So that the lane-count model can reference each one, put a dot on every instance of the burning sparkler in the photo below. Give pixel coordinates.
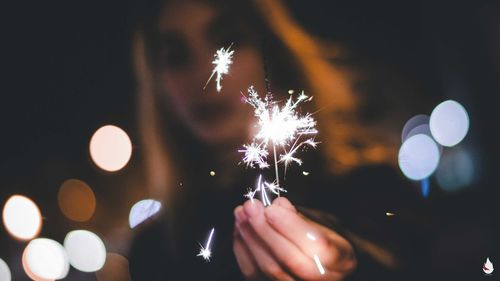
(223, 58)
(206, 252)
(261, 187)
(278, 128)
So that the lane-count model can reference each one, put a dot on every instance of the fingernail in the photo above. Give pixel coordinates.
(273, 214)
(242, 230)
(252, 208)
(238, 214)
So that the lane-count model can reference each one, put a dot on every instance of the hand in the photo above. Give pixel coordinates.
(278, 243)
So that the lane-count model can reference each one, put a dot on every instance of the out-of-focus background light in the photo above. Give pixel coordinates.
(86, 251)
(423, 129)
(115, 269)
(449, 123)
(47, 259)
(4, 271)
(456, 170)
(418, 157)
(110, 148)
(21, 217)
(425, 187)
(412, 123)
(420, 129)
(28, 271)
(76, 200)
(142, 210)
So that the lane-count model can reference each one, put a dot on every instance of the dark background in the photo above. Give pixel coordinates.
(67, 71)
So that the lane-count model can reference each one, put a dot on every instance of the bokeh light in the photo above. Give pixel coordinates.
(21, 217)
(418, 157)
(142, 210)
(116, 268)
(76, 200)
(456, 170)
(4, 271)
(110, 148)
(425, 187)
(86, 251)
(414, 122)
(449, 123)
(423, 129)
(47, 259)
(420, 129)
(28, 272)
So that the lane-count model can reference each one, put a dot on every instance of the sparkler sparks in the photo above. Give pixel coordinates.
(223, 59)
(279, 127)
(206, 252)
(261, 187)
(254, 154)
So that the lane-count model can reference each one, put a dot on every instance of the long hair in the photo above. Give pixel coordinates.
(346, 143)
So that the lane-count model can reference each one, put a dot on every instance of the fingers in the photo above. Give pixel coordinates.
(285, 203)
(306, 236)
(279, 242)
(244, 258)
(265, 261)
(295, 228)
(286, 253)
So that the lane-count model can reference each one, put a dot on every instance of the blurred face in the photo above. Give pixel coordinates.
(191, 32)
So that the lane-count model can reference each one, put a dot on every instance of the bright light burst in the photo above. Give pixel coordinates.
(206, 252)
(279, 127)
(223, 59)
(261, 187)
(254, 153)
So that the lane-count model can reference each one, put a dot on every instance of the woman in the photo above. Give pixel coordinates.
(189, 132)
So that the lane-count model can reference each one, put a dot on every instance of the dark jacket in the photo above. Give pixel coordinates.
(354, 205)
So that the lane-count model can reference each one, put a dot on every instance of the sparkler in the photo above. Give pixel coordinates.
(223, 58)
(280, 128)
(206, 252)
(262, 186)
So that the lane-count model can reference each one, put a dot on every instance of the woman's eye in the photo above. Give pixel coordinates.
(173, 53)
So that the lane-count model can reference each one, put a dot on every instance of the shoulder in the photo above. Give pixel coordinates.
(148, 251)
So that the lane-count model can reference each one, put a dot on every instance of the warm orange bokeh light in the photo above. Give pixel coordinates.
(76, 200)
(22, 218)
(115, 269)
(110, 148)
